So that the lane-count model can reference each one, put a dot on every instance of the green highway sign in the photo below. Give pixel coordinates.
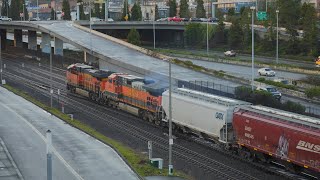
(262, 15)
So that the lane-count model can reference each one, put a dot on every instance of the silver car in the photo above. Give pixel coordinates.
(275, 93)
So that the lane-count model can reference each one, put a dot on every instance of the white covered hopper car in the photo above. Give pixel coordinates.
(204, 114)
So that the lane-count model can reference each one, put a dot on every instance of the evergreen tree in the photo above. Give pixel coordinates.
(93, 14)
(245, 22)
(97, 10)
(219, 35)
(102, 14)
(66, 10)
(125, 11)
(53, 15)
(173, 8)
(136, 14)
(184, 9)
(231, 12)
(235, 34)
(134, 37)
(5, 7)
(309, 24)
(200, 11)
(289, 13)
(14, 11)
(156, 12)
(81, 11)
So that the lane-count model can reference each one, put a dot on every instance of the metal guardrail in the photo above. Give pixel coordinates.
(209, 87)
(227, 91)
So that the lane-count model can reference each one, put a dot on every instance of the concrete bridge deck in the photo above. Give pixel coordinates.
(111, 53)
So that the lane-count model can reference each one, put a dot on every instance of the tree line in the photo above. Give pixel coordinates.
(293, 16)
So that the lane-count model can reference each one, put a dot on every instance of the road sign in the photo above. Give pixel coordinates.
(262, 15)
(126, 17)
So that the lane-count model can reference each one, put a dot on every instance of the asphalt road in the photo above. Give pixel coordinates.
(76, 155)
(247, 57)
(243, 71)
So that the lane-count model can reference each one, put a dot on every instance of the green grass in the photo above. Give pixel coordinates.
(138, 161)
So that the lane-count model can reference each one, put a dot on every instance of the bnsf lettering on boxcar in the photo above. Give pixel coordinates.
(303, 145)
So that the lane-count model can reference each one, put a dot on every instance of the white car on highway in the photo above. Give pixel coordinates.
(230, 53)
(266, 72)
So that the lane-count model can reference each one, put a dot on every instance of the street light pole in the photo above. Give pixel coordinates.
(252, 33)
(90, 30)
(154, 30)
(23, 12)
(170, 172)
(38, 11)
(277, 53)
(1, 59)
(51, 90)
(208, 29)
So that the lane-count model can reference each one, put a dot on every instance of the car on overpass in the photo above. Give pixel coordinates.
(175, 19)
(5, 18)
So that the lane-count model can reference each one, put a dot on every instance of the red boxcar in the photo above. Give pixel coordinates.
(291, 137)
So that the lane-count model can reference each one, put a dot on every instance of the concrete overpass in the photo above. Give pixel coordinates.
(127, 25)
(109, 52)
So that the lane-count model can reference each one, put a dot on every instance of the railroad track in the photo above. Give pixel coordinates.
(210, 165)
(141, 134)
(191, 156)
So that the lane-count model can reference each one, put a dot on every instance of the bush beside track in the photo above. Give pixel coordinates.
(137, 161)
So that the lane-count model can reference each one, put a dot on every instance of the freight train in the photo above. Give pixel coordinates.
(254, 132)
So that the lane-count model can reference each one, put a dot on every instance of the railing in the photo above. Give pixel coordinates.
(209, 87)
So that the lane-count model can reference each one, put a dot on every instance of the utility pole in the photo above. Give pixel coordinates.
(1, 59)
(170, 122)
(90, 30)
(24, 16)
(106, 10)
(38, 11)
(277, 53)
(208, 29)
(154, 30)
(49, 155)
(51, 90)
(252, 33)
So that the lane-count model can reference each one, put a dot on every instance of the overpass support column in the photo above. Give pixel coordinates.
(17, 38)
(32, 40)
(213, 11)
(46, 43)
(89, 58)
(58, 46)
(3, 33)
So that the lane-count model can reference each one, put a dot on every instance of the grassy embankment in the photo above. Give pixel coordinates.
(139, 162)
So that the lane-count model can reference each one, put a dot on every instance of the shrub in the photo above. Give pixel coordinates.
(277, 84)
(312, 79)
(313, 92)
(134, 37)
(293, 107)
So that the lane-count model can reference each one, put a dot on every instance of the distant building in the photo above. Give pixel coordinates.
(225, 5)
